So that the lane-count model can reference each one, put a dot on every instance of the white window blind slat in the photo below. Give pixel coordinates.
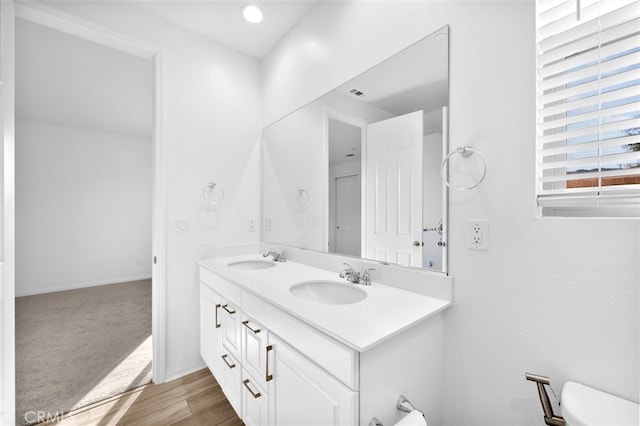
(590, 146)
(602, 128)
(550, 111)
(588, 107)
(592, 175)
(590, 71)
(612, 158)
(585, 89)
(572, 120)
(559, 68)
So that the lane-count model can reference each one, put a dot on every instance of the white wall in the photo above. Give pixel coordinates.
(83, 208)
(212, 125)
(551, 296)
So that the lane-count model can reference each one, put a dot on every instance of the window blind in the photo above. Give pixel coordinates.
(588, 107)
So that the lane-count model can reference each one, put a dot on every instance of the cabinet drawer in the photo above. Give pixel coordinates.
(230, 382)
(339, 360)
(255, 402)
(230, 291)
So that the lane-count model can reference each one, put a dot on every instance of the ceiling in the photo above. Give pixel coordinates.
(221, 21)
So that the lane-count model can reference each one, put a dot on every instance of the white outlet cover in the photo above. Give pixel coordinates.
(478, 234)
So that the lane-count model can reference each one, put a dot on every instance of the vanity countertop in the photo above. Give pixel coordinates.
(385, 312)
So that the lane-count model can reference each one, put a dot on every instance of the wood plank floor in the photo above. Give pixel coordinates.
(195, 399)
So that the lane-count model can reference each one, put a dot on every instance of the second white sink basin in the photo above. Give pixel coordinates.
(252, 264)
(329, 292)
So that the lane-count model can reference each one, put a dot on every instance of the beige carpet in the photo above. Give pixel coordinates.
(77, 347)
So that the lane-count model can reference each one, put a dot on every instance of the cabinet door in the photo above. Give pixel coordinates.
(255, 339)
(230, 381)
(210, 303)
(304, 394)
(255, 403)
(231, 328)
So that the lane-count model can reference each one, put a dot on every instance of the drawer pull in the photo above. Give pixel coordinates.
(229, 311)
(217, 322)
(255, 330)
(268, 377)
(256, 395)
(224, 358)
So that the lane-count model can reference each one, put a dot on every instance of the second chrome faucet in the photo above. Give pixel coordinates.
(355, 277)
(275, 255)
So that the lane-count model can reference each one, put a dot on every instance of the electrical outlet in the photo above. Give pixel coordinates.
(252, 223)
(138, 262)
(268, 223)
(478, 234)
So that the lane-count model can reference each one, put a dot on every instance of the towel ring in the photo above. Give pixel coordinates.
(303, 199)
(466, 152)
(212, 195)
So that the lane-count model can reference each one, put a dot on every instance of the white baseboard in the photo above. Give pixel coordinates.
(81, 285)
(176, 373)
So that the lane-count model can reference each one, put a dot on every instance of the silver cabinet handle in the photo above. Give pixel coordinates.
(256, 395)
(255, 330)
(217, 322)
(268, 377)
(229, 311)
(224, 358)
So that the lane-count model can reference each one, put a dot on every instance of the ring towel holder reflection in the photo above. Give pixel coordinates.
(303, 199)
(465, 152)
(212, 196)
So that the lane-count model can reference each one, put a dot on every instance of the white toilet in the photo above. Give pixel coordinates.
(585, 406)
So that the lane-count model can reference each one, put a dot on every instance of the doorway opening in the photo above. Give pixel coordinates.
(345, 186)
(85, 165)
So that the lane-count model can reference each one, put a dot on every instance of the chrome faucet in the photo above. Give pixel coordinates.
(355, 277)
(275, 255)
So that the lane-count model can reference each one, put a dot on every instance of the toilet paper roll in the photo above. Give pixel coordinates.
(414, 418)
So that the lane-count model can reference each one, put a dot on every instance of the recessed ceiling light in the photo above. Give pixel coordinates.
(252, 13)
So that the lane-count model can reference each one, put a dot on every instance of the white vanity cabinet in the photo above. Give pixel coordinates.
(278, 369)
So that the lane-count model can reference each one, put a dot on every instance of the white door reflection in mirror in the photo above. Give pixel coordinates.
(393, 190)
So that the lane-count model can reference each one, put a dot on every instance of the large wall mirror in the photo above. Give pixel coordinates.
(357, 171)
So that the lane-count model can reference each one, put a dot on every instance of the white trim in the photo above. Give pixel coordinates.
(7, 251)
(159, 221)
(445, 191)
(70, 24)
(84, 285)
(88, 30)
(183, 371)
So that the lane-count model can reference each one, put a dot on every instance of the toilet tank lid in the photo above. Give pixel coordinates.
(583, 405)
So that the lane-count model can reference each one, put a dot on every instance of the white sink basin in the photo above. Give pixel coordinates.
(329, 292)
(252, 264)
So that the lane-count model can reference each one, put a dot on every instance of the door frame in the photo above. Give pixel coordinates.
(88, 30)
(334, 182)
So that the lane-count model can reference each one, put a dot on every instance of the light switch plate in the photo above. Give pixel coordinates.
(181, 225)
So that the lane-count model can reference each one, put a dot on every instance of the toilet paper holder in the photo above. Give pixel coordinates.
(402, 404)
